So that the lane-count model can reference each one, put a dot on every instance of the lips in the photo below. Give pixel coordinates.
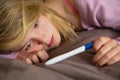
(51, 42)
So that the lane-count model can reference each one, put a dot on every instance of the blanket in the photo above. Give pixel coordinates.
(78, 67)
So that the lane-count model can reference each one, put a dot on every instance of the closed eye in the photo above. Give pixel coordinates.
(28, 46)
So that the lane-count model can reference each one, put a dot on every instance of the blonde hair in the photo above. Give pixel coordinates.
(64, 26)
(18, 16)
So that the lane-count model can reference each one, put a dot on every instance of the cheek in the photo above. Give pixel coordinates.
(43, 28)
(36, 48)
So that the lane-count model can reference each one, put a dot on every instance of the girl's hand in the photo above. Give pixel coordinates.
(107, 51)
(33, 58)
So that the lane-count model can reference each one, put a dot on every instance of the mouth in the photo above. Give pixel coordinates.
(51, 42)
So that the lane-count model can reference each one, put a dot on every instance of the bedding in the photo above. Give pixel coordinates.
(78, 67)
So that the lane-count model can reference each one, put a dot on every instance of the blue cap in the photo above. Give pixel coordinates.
(88, 46)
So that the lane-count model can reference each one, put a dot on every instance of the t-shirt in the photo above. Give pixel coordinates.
(99, 14)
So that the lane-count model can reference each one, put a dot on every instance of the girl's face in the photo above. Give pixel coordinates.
(42, 35)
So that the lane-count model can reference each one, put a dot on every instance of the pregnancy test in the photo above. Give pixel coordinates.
(69, 54)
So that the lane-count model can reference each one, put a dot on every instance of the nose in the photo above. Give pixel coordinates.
(39, 37)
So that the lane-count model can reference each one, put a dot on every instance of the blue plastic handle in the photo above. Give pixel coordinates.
(88, 46)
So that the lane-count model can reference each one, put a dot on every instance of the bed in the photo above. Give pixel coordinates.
(78, 67)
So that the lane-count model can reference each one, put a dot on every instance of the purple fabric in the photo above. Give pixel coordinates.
(12, 55)
(99, 13)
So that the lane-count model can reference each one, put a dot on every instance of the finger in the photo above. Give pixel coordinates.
(28, 61)
(104, 50)
(35, 59)
(21, 57)
(115, 59)
(99, 42)
(43, 55)
(109, 55)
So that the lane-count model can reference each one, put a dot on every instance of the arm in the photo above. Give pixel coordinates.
(32, 57)
(102, 13)
(29, 58)
(99, 13)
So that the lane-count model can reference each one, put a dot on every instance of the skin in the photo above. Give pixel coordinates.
(42, 36)
(39, 54)
(107, 49)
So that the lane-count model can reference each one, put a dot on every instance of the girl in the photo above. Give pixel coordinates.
(30, 27)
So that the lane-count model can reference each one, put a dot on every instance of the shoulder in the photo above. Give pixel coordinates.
(96, 2)
(99, 12)
(88, 2)
(93, 5)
